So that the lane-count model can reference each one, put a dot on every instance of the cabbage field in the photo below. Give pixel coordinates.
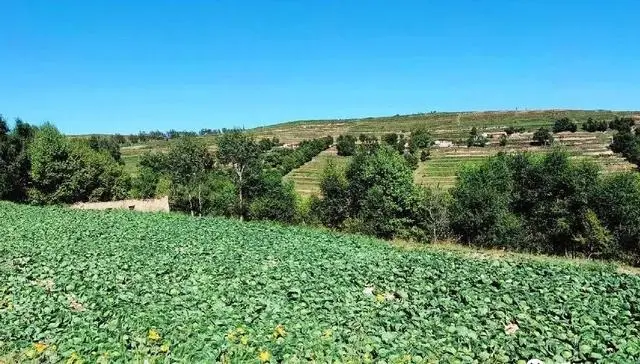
(120, 286)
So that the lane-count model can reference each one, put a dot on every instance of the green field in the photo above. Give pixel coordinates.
(125, 286)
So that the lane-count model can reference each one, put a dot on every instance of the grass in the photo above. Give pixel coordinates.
(131, 287)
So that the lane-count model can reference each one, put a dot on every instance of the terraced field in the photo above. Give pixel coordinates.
(445, 162)
(440, 170)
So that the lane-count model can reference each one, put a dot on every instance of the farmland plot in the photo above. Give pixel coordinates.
(123, 286)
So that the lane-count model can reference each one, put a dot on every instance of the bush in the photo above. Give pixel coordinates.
(346, 145)
(548, 204)
(542, 136)
(627, 144)
(380, 191)
(503, 141)
(476, 139)
(592, 125)
(512, 130)
(333, 208)
(564, 124)
(430, 215)
(621, 124)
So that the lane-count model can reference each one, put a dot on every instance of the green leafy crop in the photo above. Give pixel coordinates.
(123, 286)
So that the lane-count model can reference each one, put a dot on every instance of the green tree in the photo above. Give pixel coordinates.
(542, 136)
(346, 145)
(380, 190)
(564, 124)
(64, 171)
(333, 208)
(420, 139)
(390, 139)
(476, 139)
(189, 164)
(239, 151)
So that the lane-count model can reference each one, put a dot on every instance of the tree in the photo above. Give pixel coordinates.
(242, 154)
(390, 139)
(64, 171)
(564, 124)
(334, 205)
(188, 163)
(380, 190)
(542, 136)
(623, 124)
(592, 125)
(420, 139)
(346, 145)
(431, 214)
(476, 139)
(628, 144)
(14, 160)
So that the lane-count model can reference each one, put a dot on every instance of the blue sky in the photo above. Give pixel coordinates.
(124, 66)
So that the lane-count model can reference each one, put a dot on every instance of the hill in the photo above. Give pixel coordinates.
(441, 169)
(125, 286)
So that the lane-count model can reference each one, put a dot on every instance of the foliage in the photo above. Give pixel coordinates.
(420, 139)
(64, 171)
(138, 287)
(628, 144)
(390, 139)
(514, 129)
(476, 139)
(286, 160)
(188, 165)
(564, 124)
(346, 145)
(332, 209)
(542, 136)
(14, 160)
(431, 220)
(621, 124)
(503, 141)
(110, 145)
(547, 204)
(240, 152)
(592, 125)
(380, 189)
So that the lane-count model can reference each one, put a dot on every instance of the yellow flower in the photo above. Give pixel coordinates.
(379, 297)
(279, 332)
(264, 356)
(244, 340)
(74, 358)
(327, 333)
(231, 336)
(153, 335)
(164, 348)
(40, 347)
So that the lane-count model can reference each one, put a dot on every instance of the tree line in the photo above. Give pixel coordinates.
(545, 203)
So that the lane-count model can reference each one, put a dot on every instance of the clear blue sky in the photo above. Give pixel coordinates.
(124, 66)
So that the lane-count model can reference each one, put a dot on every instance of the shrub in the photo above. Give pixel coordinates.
(346, 145)
(430, 215)
(512, 130)
(542, 136)
(503, 140)
(564, 124)
(621, 124)
(593, 125)
(476, 139)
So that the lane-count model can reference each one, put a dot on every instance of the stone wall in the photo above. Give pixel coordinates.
(159, 204)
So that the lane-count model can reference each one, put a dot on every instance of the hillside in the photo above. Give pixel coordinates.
(87, 285)
(445, 162)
